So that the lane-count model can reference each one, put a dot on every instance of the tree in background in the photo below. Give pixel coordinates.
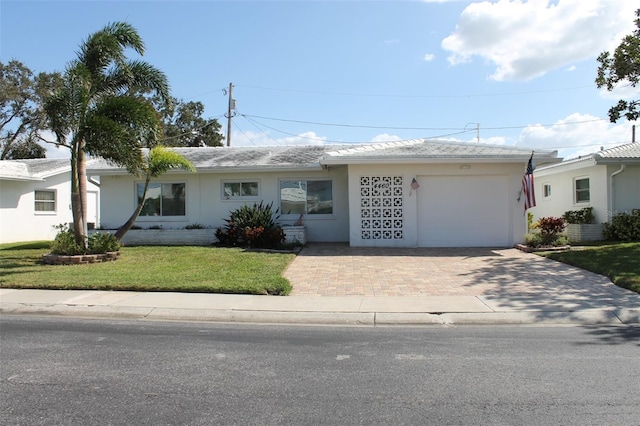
(21, 116)
(158, 161)
(184, 126)
(99, 109)
(622, 67)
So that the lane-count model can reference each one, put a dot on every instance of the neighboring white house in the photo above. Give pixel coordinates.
(608, 181)
(35, 196)
(417, 193)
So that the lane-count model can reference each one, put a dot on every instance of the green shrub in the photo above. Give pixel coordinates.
(548, 229)
(252, 226)
(65, 242)
(584, 215)
(99, 243)
(624, 226)
(103, 242)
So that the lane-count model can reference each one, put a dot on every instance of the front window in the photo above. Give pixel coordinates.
(546, 190)
(234, 190)
(306, 197)
(163, 199)
(582, 190)
(45, 201)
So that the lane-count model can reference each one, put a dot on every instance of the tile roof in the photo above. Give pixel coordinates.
(619, 154)
(623, 154)
(436, 150)
(297, 157)
(244, 158)
(35, 169)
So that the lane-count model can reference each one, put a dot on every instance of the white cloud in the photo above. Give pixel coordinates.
(429, 57)
(622, 90)
(526, 39)
(250, 138)
(385, 137)
(577, 134)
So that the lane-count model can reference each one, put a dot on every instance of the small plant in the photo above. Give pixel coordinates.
(624, 226)
(195, 226)
(581, 216)
(548, 230)
(65, 242)
(529, 221)
(252, 226)
(103, 242)
(99, 243)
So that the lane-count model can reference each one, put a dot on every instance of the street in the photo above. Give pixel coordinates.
(90, 372)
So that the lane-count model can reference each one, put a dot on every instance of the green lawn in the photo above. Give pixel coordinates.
(230, 270)
(182, 269)
(618, 261)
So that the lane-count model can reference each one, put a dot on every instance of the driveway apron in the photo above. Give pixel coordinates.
(340, 270)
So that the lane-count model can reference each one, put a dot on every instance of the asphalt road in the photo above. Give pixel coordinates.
(71, 372)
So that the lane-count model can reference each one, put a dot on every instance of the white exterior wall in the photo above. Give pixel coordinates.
(18, 219)
(562, 197)
(626, 193)
(206, 206)
(511, 173)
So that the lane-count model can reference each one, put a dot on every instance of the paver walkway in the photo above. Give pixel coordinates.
(340, 270)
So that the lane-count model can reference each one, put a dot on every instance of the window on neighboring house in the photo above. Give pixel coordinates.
(233, 190)
(582, 190)
(45, 201)
(546, 190)
(163, 199)
(306, 197)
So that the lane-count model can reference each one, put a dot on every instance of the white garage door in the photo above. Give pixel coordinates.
(463, 211)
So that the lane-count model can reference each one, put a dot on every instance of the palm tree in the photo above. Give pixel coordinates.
(100, 109)
(159, 160)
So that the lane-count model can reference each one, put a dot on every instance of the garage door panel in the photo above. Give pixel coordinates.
(463, 211)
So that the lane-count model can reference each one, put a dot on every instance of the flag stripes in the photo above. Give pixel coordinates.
(527, 186)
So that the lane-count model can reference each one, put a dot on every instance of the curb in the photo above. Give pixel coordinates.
(584, 317)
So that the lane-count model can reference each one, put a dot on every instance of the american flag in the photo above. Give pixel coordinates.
(527, 186)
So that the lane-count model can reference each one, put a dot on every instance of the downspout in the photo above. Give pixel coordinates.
(96, 183)
(611, 190)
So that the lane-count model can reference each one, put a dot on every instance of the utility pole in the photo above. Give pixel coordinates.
(232, 106)
(478, 131)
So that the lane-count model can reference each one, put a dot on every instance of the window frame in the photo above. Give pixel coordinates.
(160, 216)
(306, 213)
(546, 190)
(577, 191)
(240, 197)
(53, 202)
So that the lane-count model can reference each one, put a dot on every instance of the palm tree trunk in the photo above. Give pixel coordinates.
(129, 223)
(76, 201)
(82, 189)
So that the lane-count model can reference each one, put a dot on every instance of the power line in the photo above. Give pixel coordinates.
(256, 123)
(415, 128)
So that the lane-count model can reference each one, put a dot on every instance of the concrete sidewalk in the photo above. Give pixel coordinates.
(538, 309)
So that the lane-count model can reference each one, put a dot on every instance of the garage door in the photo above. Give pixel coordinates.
(463, 211)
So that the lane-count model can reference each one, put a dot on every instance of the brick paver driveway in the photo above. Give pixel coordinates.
(340, 270)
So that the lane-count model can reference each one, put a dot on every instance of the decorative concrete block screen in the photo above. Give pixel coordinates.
(381, 210)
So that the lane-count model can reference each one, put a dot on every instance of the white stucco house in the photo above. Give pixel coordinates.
(35, 196)
(418, 193)
(608, 181)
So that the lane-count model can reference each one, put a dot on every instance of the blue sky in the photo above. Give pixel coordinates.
(309, 72)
